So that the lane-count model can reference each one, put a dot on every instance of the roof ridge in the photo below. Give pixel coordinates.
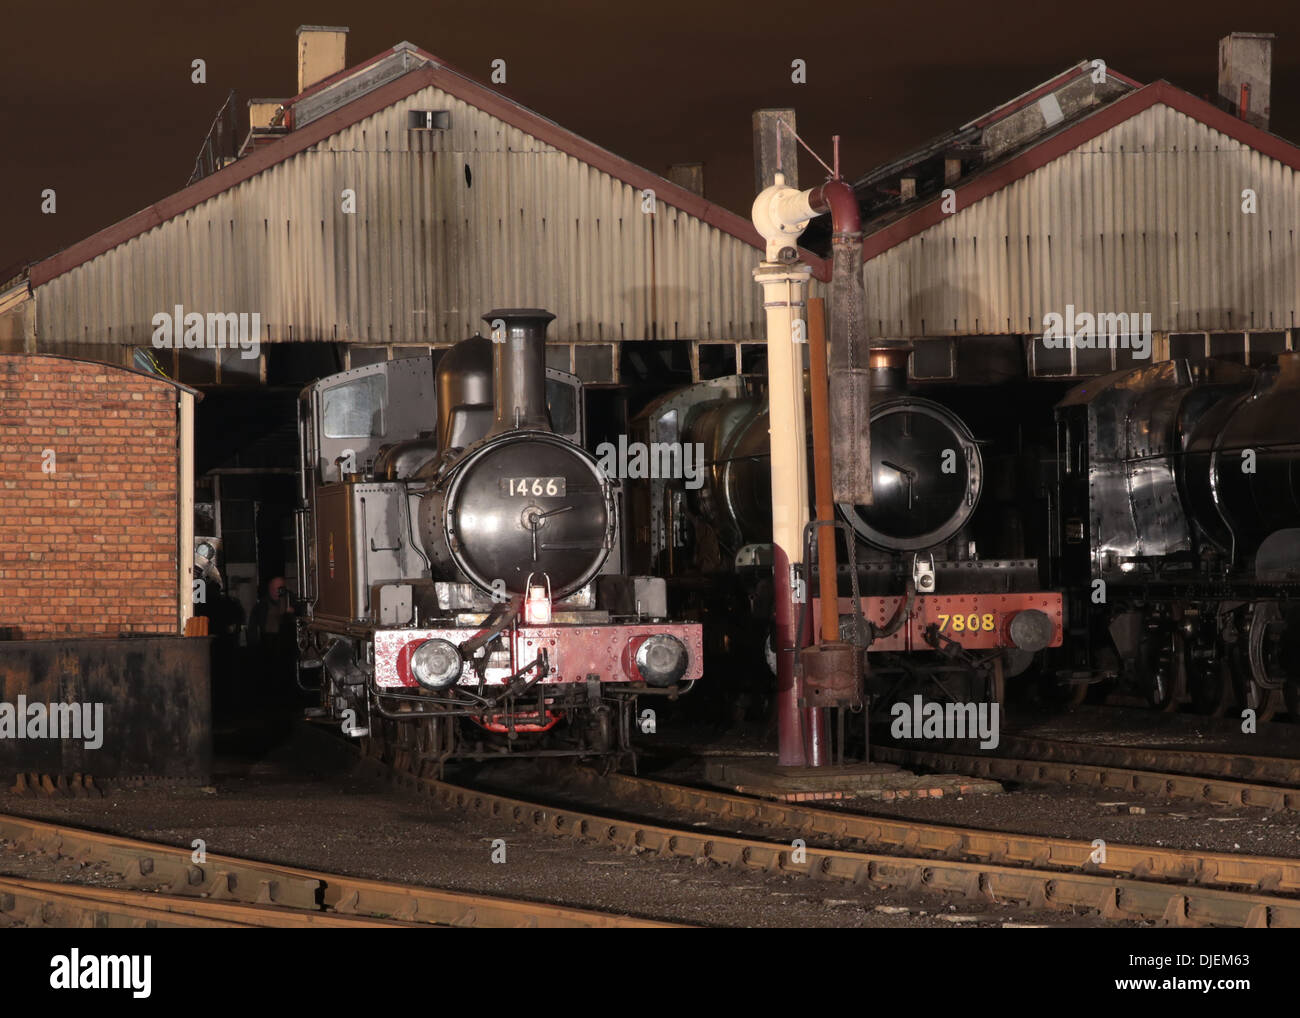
(1022, 100)
(971, 128)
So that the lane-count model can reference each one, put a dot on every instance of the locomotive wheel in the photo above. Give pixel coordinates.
(1157, 668)
(1271, 705)
(1266, 646)
(1291, 694)
(1209, 683)
(1249, 694)
(996, 689)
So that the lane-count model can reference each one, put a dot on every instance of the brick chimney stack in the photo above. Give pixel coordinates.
(322, 51)
(1245, 73)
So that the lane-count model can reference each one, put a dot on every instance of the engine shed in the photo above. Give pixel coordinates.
(1166, 219)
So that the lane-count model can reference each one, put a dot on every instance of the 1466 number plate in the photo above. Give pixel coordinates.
(534, 487)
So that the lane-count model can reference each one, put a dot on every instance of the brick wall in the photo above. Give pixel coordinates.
(88, 500)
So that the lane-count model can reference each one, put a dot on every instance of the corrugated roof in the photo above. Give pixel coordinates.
(431, 72)
(447, 224)
(1138, 211)
(972, 129)
(1044, 151)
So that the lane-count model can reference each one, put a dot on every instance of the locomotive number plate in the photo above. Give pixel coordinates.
(972, 623)
(532, 487)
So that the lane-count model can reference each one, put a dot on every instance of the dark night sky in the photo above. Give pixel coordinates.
(97, 101)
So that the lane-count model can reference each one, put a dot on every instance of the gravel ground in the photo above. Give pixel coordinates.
(1126, 726)
(304, 805)
(1117, 817)
(293, 797)
(1081, 813)
(1087, 815)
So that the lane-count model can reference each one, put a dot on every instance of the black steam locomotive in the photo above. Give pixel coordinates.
(462, 560)
(952, 604)
(1178, 533)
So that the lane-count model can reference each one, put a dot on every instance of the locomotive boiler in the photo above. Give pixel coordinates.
(939, 613)
(462, 555)
(1178, 532)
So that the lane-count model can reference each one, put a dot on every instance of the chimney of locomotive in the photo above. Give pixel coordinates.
(519, 368)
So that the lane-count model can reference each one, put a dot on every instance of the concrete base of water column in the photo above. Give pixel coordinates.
(768, 780)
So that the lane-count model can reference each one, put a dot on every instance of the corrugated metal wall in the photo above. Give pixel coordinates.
(1144, 218)
(427, 252)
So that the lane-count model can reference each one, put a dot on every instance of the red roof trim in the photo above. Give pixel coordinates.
(412, 81)
(1160, 92)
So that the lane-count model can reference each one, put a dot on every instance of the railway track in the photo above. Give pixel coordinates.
(1276, 770)
(1223, 870)
(988, 866)
(39, 903)
(229, 891)
(1199, 776)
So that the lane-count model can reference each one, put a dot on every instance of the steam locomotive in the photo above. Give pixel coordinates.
(462, 560)
(1178, 533)
(949, 603)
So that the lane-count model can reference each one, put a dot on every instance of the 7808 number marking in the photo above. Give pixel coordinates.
(972, 623)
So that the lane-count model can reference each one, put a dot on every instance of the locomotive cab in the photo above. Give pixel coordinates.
(364, 435)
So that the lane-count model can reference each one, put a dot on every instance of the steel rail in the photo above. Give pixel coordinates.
(1205, 763)
(231, 879)
(1269, 874)
(42, 903)
(1218, 791)
(143, 862)
(34, 903)
(1112, 897)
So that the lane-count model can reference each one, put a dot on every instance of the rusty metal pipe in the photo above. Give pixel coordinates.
(815, 735)
(837, 198)
(821, 425)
